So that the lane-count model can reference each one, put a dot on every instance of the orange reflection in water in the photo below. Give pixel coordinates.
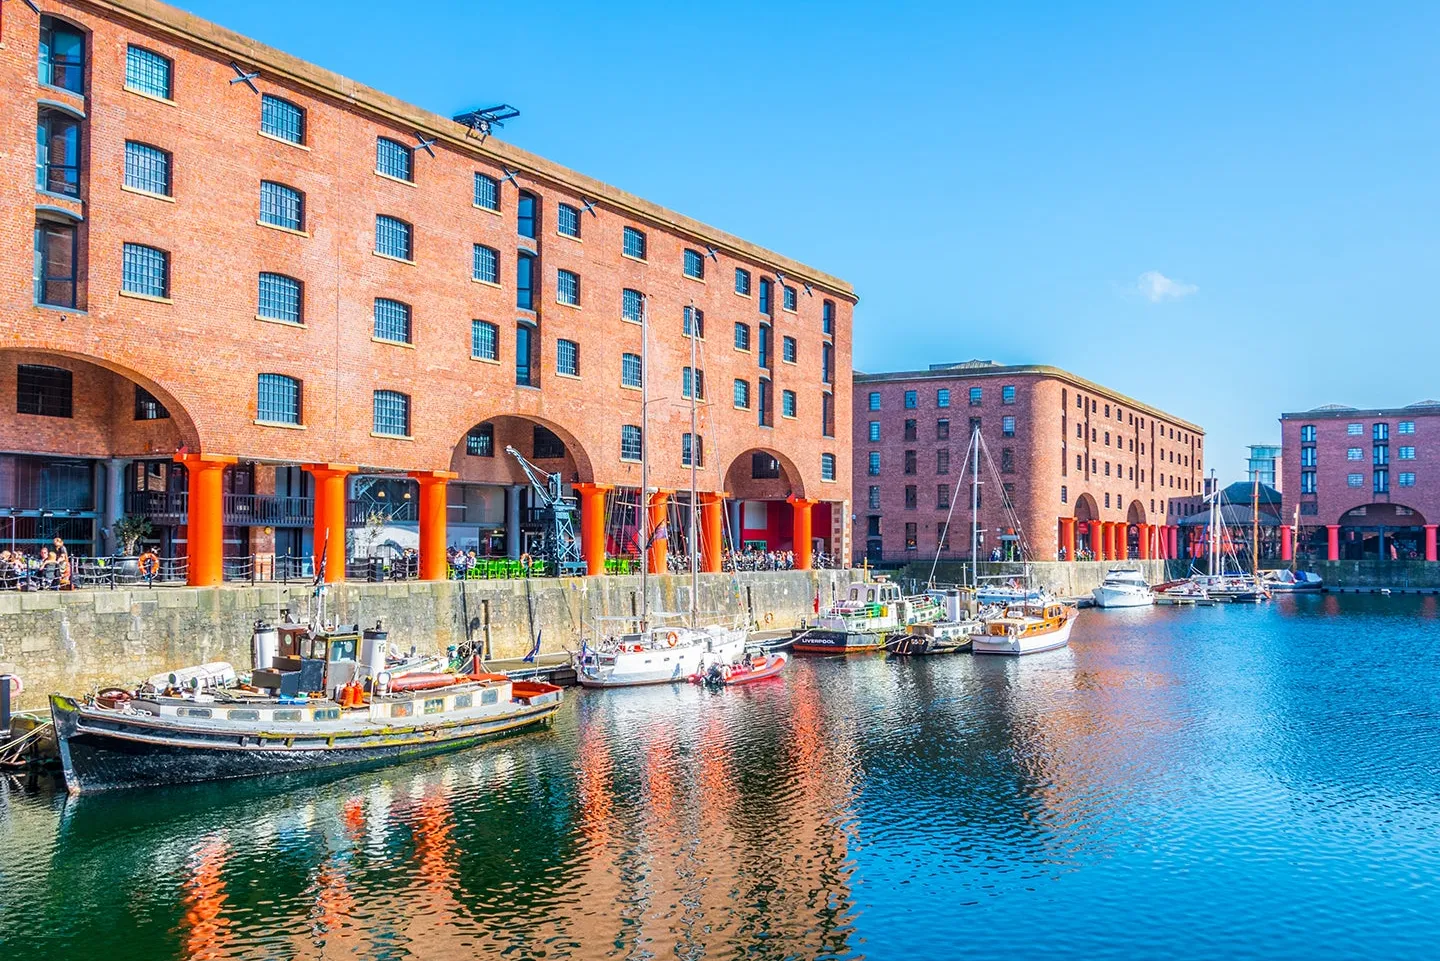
(207, 934)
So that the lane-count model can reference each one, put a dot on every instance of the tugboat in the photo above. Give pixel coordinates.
(950, 635)
(861, 620)
(319, 697)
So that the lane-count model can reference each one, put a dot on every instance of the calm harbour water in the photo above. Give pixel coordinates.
(1223, 782)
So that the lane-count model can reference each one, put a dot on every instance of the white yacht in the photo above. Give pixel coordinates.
(661, 655)
(1123, 587)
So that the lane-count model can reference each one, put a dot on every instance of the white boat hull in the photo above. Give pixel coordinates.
(1023, 644)
(1121, 597)
(660, 664)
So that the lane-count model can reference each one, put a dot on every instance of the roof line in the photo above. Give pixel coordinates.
(954, 373)
(347, 93)
(1360, 412)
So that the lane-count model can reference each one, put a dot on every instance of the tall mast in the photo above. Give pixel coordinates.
(694, 459)
(644, 464)
(1255, 527)
(975, 508)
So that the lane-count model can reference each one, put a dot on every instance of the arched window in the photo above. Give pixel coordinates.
(527, 214)
(57, 152)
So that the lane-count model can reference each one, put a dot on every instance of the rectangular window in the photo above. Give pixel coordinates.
(148, 72)
(1307, 434)
(689, 377)
(634, 243)
(546, 444)
(282, 119)
(57, 153)
(910, 462)
(392, 320)
(567, 287)
(874, 463)
(694, 264)
(630, 442)
(694, 323)
(763, 354)
(1380, 432)
(1380, 455)
(1355, 480)
(55, 260)
(790, 300)
(62, 56)
(874, 432)
(912, 497)
(632, 305)
(787, 403)
(874, 501)
(277, 399)
(282, 206)
(392, 413)
(394, 159)
(1407, 479)
(487, 192)
(912, 400)
(942, 461)
(874, 400)
(1065, 496)
(827, 363)
(764, 303)
(827, 414)
(1352, 453)
(1382, 481)
(524, 345)
(1307, 482)
(911, 540)
(630, 370)
(393, 238)
(44, 391)
(527, 214)
(1007, 426)
(486, 264)
(976, 396)
(827, 317)
(742, 281)
(1405, 427)
(942, 397)
(480, 442)
(280, 299)
(766, 406)
(742, 394)
(788, 350)
(910, 431)
(148, 407)
(942, 496)
(484, 340)
(742, 336)
(1007, 394)
(1407, 453)
(1308, 458)
(1007, 460)
(145, 271)
(567, 357)
(689, 442)
(1354, 430)
(524, 281)
(942, 429)
(827, 467)
(147, 168)
(567, 221)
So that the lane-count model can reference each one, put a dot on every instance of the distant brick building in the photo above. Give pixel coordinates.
(1366, 482)
(1088, 470)
(337, 304)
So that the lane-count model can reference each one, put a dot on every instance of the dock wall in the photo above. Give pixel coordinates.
(1064, 578)
(1397, 575)
(75, 641)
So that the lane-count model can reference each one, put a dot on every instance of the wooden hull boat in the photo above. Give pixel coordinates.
(947, 637)
(1027, 629)
(760, 667)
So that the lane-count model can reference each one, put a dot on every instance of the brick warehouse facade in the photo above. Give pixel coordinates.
(1086, 469)
(1366, 483)
(415, 308)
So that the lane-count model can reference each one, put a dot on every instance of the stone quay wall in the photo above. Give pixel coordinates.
(1399, 575)
(1063, 578)
(76, 641)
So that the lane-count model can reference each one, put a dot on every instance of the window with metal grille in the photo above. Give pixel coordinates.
(1007, 460)
(633, 243)
(742, 281)
(874, 432)
(145, 271)
(525, 281)
(827, 317)
(567, 357)
(874, 463)
(689, 442)
(942, 496)
(484, 340)
(392, 413)
(910, 462)
(787, 403)
(393, 238)
(694, 264)
(394, 159)
(487, 192)
(942, 461)
(1407, 453)
(567, 287)
(55, 264)
(789, 298)
(546, 445)
(631, 370)
(1405, 427)
(62, 55)
(148, 72)
(1406, 479)
(764, 466)
(567, 220)
(942, 428)
(692, 380)
(630, 443)
(1355, 480)
(278, 399)
(486, 264)
(44, 391)
(632, 305)
(1355, 430)
(764, 300)
(874, 400)
(57, 153)
(281, 118)
(874, 502)
(788, 350)
(694, 323)
(280, 298)
(742, 394)
(147, 168)
(392, 320)
(524, 356)
(911, 433)
(977, 396)
(527, 215)
(480, 442)
(1007, 394)
(281, 205)
(912, 400)
(742, 336)
(147, 407)
(1007, 426)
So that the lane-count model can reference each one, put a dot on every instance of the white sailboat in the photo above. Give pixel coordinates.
(659, 653)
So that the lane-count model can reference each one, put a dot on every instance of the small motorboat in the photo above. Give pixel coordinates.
(1026, 629)
(1292, 582)
(1123, 587)
(755, 667)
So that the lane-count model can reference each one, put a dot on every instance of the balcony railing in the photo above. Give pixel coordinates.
(241, 510)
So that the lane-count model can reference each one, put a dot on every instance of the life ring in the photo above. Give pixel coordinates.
(17, 686)
(526, 560)
(149, 563)
(113, 697)
(672, 638)
(769, 616)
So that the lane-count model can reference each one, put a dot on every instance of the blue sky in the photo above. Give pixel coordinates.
(1224, 211)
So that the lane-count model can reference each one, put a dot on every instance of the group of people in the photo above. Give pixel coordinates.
(49, 570)
(756, 560)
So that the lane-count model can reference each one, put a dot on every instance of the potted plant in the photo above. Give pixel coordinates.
(129, 531)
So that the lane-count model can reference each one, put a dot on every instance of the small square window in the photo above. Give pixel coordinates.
(942, 397)
(282, 119)
(393, 238)
(486, 265)
(977, 396)
(278, 399)
(912, 399)
(480, 442)
(1354, 430)
(392, 320)
(148, 72)
(567, 287)
(281, 206)
(1007, 394)
(147, 168)
(484, 340)
(280, 299)
(392, 413)
(145, 270)
(1355, 480)
(394, 159)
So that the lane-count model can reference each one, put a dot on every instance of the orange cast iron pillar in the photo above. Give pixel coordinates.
(712, 517)
(1430, 553)
(330, 517)
(434, 511)
(1067, 537)
(655, 559)
(205, 520)
(802, 532)
(1332, 542)
(1107, 541)
(592, 526)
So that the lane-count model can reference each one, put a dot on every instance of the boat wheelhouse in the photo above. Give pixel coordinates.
(1026, 629)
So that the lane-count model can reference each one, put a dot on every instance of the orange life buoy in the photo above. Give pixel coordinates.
(526, 560)
(672, 638)
(149, 563)
(17, 687)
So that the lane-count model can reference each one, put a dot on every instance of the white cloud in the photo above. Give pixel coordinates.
(1156, 287)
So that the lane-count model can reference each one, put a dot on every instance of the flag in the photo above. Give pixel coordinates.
(530, 658)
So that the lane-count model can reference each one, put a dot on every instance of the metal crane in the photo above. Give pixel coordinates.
(560, 545)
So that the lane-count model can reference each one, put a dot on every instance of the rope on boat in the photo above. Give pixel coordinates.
(13, 753)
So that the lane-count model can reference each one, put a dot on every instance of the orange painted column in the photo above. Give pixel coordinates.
(1332, 539)
(205, 518)
(592, 526)
(330, 518)
(1144, 541)
(434, 515)
(802, 534)
(659, 515)
(1287, 551)
(1097, 539)
(1173, 536)
(712, 526)
(1067, 537)
(1107, 540)
(1430, 553)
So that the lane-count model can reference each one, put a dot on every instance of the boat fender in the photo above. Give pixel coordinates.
(672, 638)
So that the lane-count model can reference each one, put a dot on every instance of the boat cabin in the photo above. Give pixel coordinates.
(864, 595)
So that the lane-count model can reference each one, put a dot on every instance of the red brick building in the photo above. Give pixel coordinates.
(1086, 469)
(1366, 482)
(337, 305)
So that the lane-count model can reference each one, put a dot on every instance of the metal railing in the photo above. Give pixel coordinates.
(240, 510)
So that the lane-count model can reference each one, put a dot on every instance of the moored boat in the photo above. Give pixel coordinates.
(662, 655)
(1123, 587)
(1026, 629)
(860, 620)
(754, 667)
(944, 637)
(1293, 582)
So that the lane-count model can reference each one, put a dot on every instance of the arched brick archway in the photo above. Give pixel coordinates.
(1383, 531)
(769, 507)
